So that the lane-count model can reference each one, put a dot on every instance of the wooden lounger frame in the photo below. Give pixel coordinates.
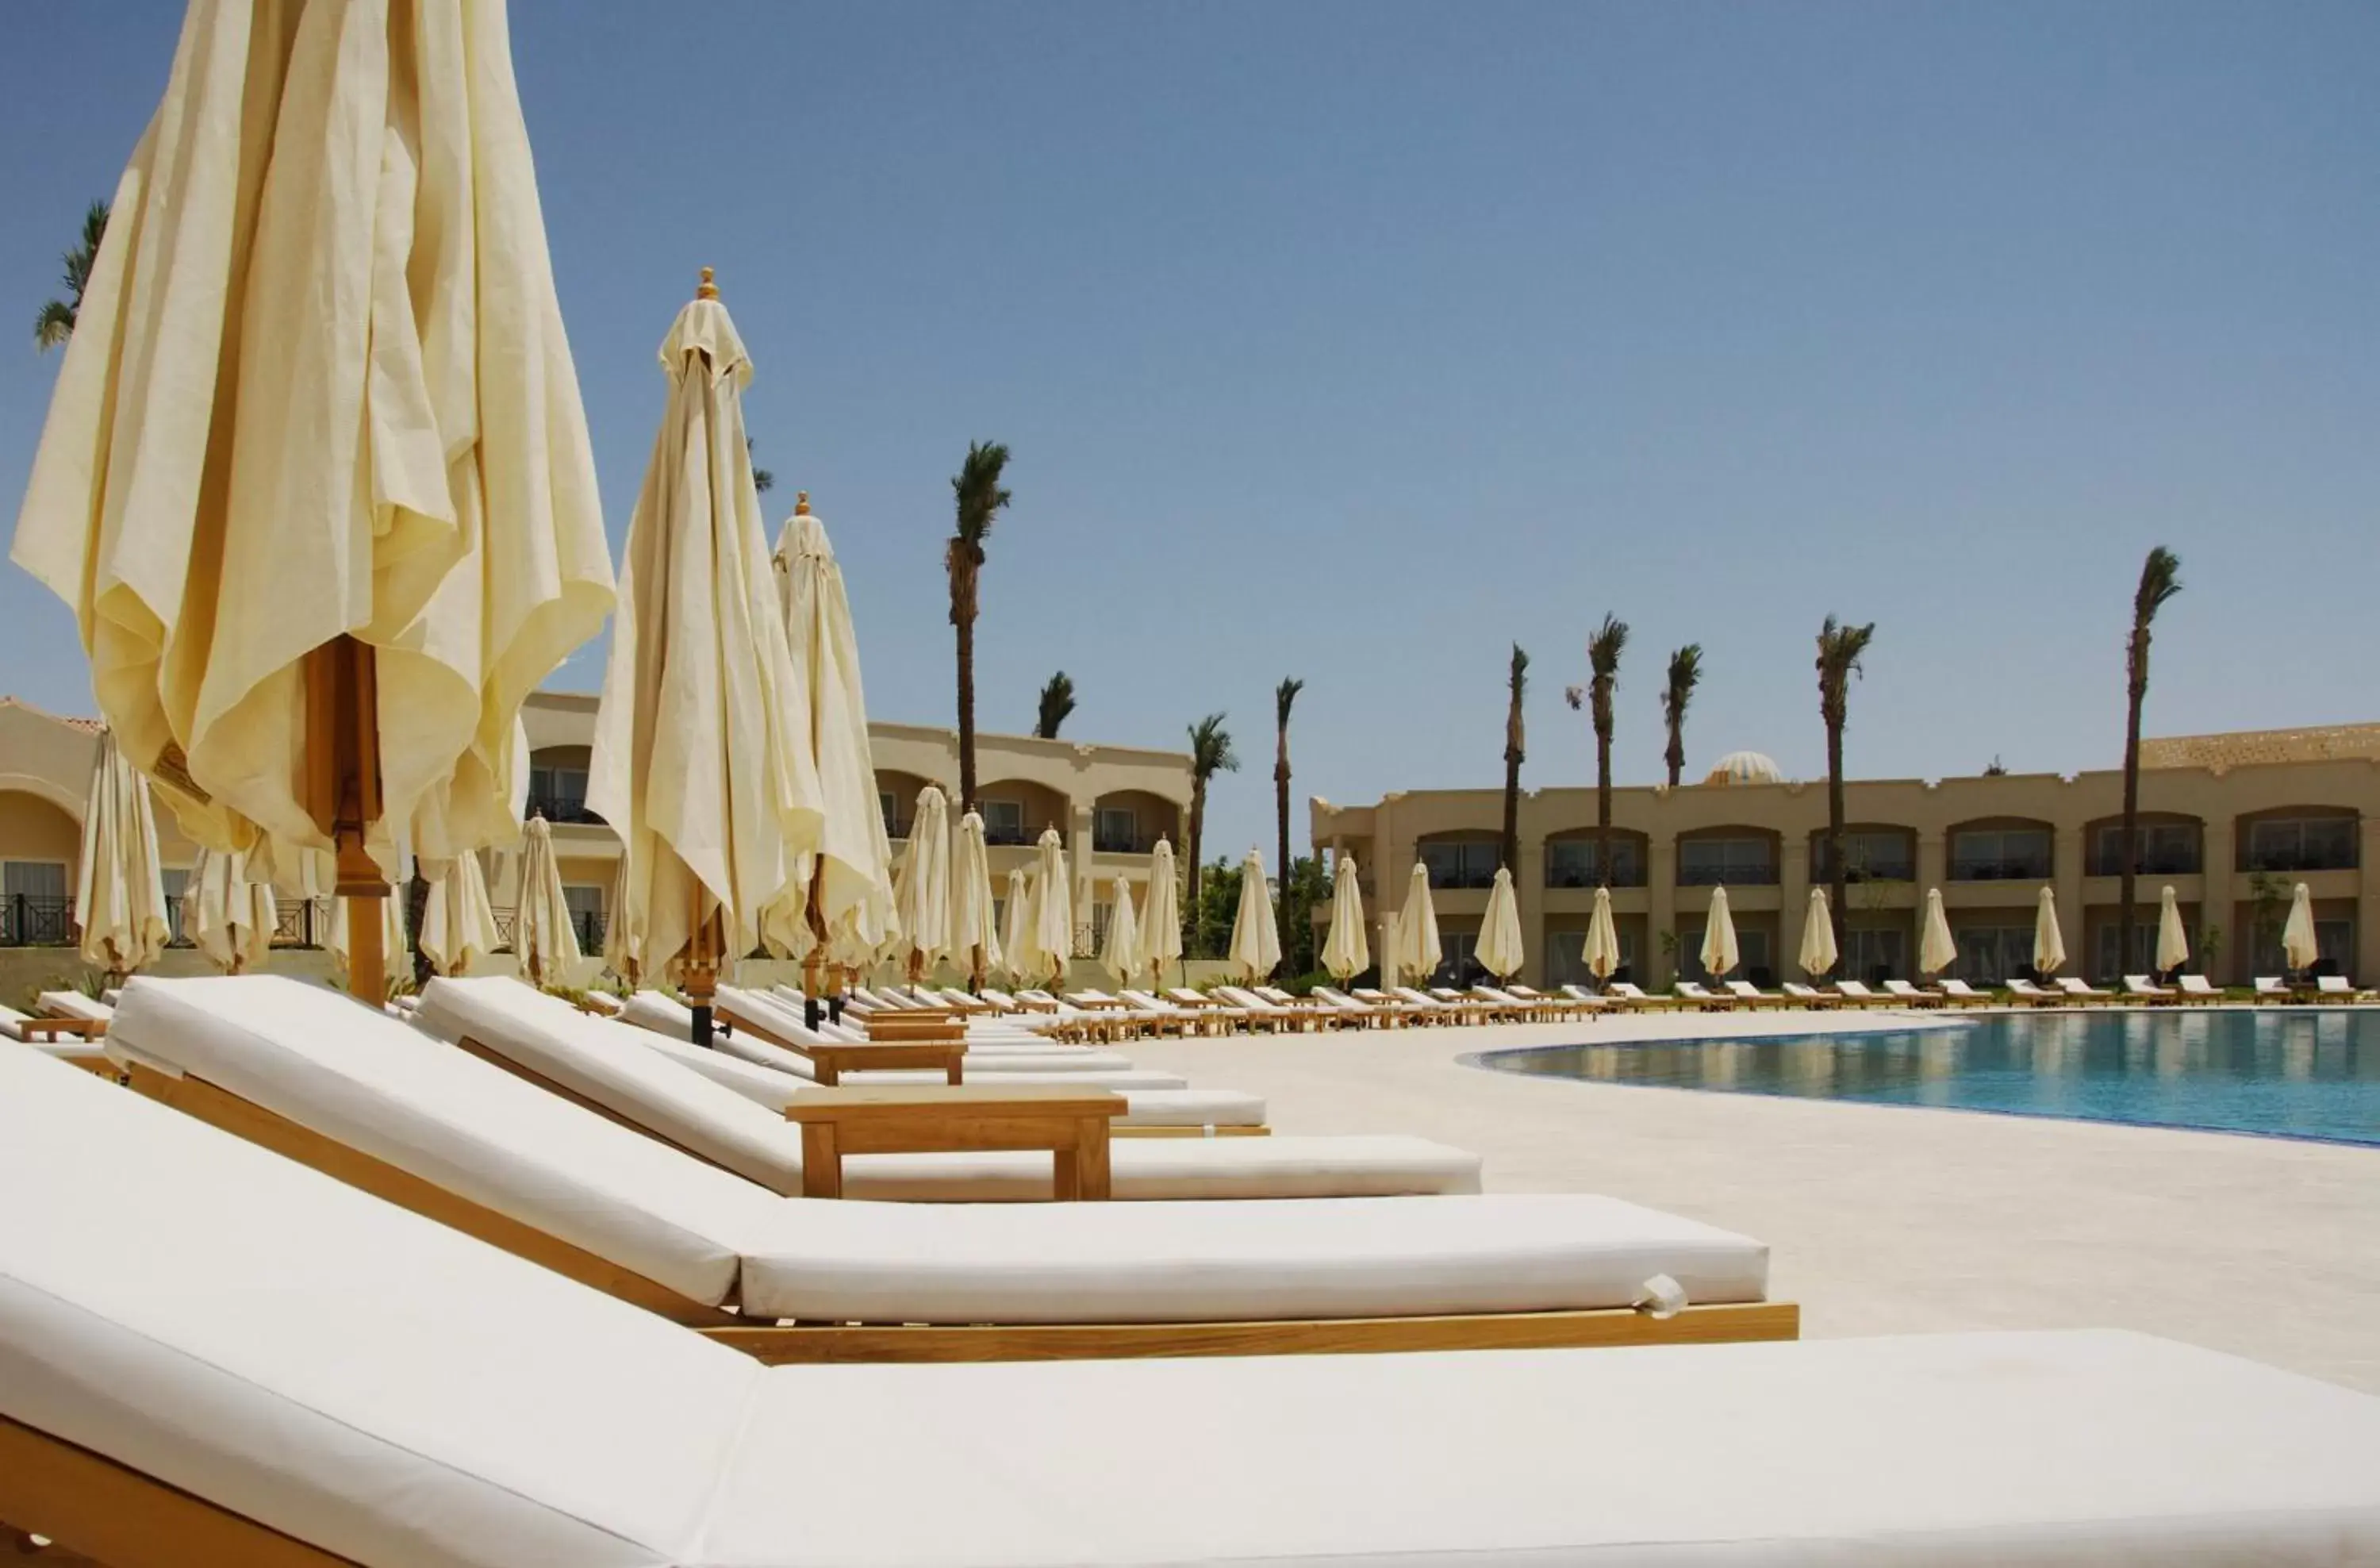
(101, 1512)
(781, 1343)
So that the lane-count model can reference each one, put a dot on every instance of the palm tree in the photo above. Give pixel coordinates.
(57, 321)
(1685, 673)
(1211, 753)
(1515, 753)
(2160, 580)
(980, 497)
(762, 479)
(1839, 648)
(1603, 661)
(1284, 697)
(1057, 702)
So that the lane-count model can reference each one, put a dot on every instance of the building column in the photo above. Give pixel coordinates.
(1529, 897)
(1793, 902)
(2066, 868)
(2217, 839)
(2367, 901)
(1933, 866)
(1661, 907)
(1078, 851)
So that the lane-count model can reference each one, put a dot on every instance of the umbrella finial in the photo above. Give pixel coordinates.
(801, 503)
(706, 289)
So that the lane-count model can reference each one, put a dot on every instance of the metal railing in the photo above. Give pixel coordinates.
(586, 925)
(561, 808)
(301, 922)
(898, 828)
(36, 920)
(2023, 867)
(1731, 876)
(2339, 859)
(1007, 835)
(2172, 863)
(1123, 843)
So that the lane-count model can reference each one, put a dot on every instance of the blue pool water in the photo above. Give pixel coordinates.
(2305, 1073)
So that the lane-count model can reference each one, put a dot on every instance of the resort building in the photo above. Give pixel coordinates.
(1109, 803)
(2231, 823)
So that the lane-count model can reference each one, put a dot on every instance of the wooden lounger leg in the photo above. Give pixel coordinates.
(125, 1519)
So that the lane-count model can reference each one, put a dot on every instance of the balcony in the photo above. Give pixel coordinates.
(2016, 869)
(2147, 863)
(2311, 857)
(1728, 876)
(560, 808)
(897, 829)
(1123, 843)
(999, 835)
(36, 920)
(1868, 871)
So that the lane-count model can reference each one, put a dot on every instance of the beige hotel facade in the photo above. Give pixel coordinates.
(1109, 803)
(2230, 821)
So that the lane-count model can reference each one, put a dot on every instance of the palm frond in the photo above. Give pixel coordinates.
(1603, 648)
(1057, 702)
(1210, 747)
(1841, 648)
(1518, 678)
(54, 326)
(2160, 580)
(1685, 673)
(1284, 697)
(980, 494)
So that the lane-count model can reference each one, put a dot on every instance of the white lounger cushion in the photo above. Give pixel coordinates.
(359, 1076)
(595, 1057)
(74, 1004)
(209, 1336)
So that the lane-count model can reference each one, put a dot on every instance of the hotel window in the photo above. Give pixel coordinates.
(34, 908)
(1986, 855)
(1458, 959)
(585, 902)
(173, 879)
(1004, 821)
(1565, 962)
(1869, 856)
(2302, 843)
(2334, 946)
(2161, 849)
(1875, 954)
(1751, 954)
(1570, 862)
(889, 804)
(1100, 915)
(2108, 964)
(559, 793)
(1988, 955)
(1739, 862)
(1117, 830)
(1463, 863)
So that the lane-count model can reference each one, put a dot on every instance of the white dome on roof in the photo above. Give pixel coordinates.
(1745, 767)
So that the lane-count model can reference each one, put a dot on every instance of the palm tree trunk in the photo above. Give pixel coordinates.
(1676, 756)
(1513, 811)
(1197, 831)
(1603, 804)
(1280, 809)
(966, 620)
(2126, 874)
(1837, 873)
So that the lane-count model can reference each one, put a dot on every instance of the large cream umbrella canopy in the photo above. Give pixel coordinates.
(975, 937)
(1720, 952)
(1347, 949)
(842, 893)
(544, 937)
(226, 915)
(1600, 952)
(1160, 921)
(1417, 948)
(624, 940)
(1936, 950)
(1015, 933)
(921, 897)
(2048, 941)
(1499, 950)
(1255, 934)
(1819, 953)
(2172, 943)
(700, 759)
(2298, 948)
(1049, 940)
(1120, 956)
(315, 479)
(459, 924)
(120, 891)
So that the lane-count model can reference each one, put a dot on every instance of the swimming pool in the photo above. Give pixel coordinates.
(2303, 1072)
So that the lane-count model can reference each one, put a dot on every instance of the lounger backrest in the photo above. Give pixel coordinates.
(1578, 993)
(1795, 988)
(1624, 988)
(361, 1078)
(1901, 988)
(1743, 988)
(73, 1004)
(1958, 987)
(1240, 997)
(1854, 988)
(270, 1338)
(2332, 984)
(2197, 985)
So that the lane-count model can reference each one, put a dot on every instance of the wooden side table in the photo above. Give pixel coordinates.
(1069, 1121)
(832, 1059)
(63, 1028)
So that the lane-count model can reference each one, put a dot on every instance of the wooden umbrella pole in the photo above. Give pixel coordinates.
(813, 962)
(702, 946)
(341, 779)
(974, 970)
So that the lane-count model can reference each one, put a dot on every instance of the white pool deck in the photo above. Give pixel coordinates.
(1887, 1219)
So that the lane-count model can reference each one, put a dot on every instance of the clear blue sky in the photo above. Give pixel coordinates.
(1353, 342)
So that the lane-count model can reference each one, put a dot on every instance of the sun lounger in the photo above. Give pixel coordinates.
(2336, 988)
(1624, 994)
(76, 1041)
(309, 1073)
(1509, 1005)
(758, 1017)
(1959, 993)
(1909, 995)
(72, 1005)
(1563, 1006)
(185, 1384)
(1749, 995)
(1456, 1007)
(2142, 988)
(1361, 1014)
(1810, 997)
(1415, 1008)
(2073, 989)
(1856, 993)
(2032, 995)
(2272, 987)
(1256, 1013)
(1690, 993)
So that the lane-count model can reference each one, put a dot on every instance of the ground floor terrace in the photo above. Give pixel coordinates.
(1886, 1218)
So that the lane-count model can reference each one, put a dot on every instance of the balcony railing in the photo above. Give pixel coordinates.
(1731, 876)
(2314, 858)
(2020, 869)
(36, 920)
(299, 923)
(586, 925)
(1866, 871)
(2167, 863)
(561, 808)
(1123, 843)
(897, 828)
(1005, 835)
